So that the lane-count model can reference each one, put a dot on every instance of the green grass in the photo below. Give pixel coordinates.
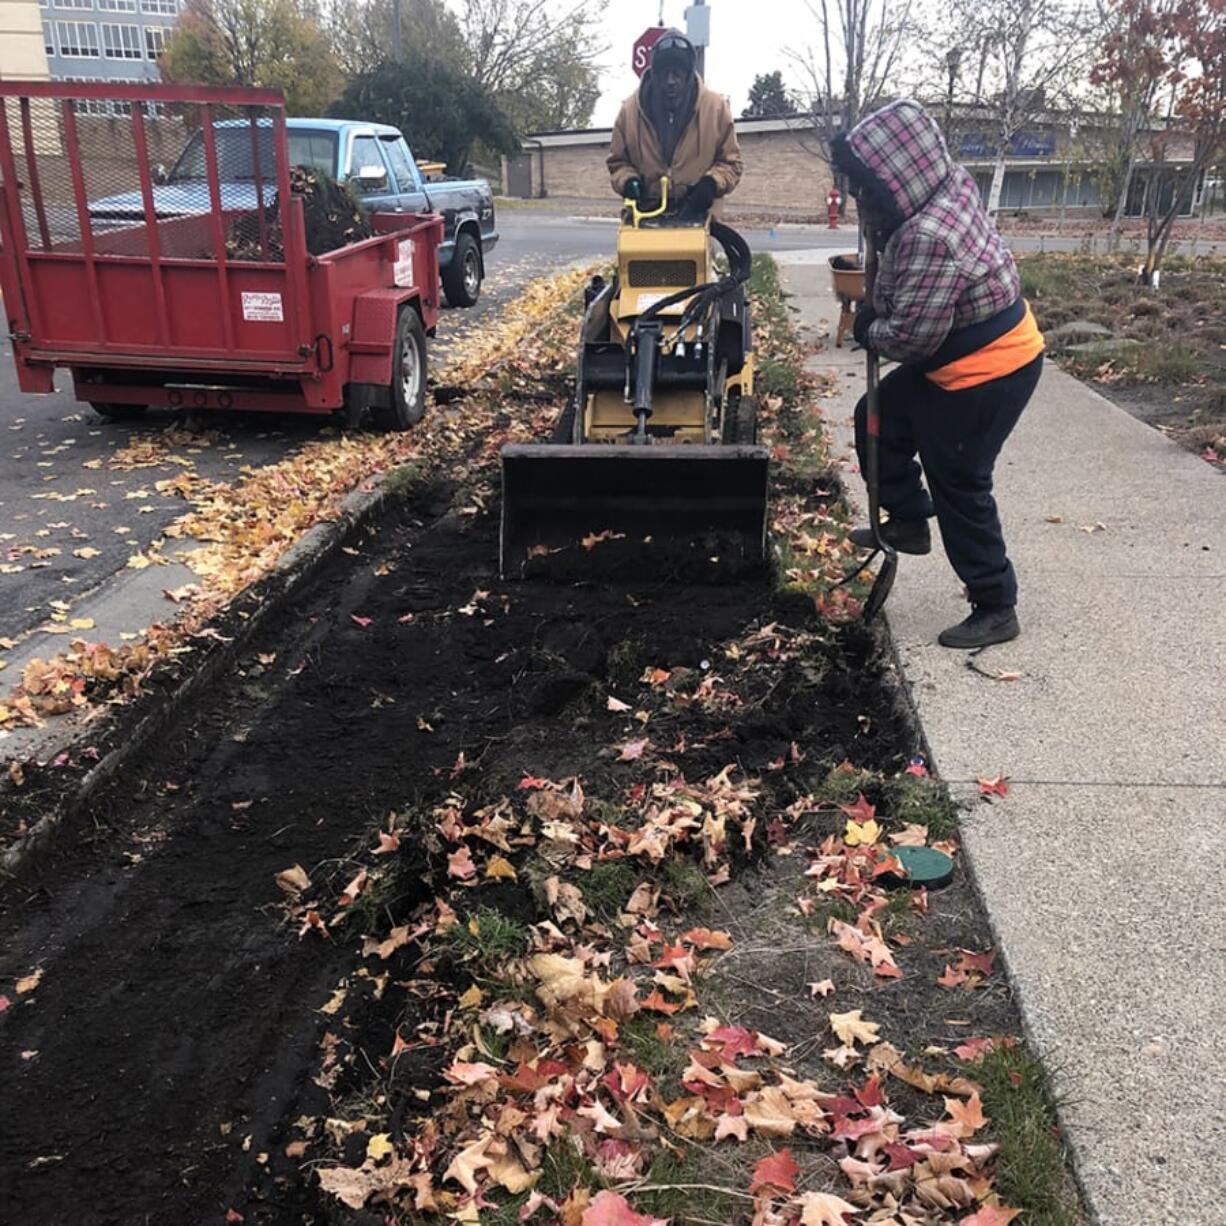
(661, 1058)
(404, 480)
(775, 377)
(687, 1203)
(488, 937)
(684, 884)
(924, 802)
(607, 888)
(1031, 1171)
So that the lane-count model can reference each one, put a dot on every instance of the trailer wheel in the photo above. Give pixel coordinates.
(462, 277)
(740, 418)
(118, 412)
(408, 390)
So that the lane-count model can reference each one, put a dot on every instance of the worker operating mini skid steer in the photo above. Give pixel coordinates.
(657, 445)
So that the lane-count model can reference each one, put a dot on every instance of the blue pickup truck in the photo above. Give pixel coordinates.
(375, 160)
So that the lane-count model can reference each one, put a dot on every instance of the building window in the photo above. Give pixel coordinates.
(117, 6)
(121, 42)
(155, 41)
(48, 38)
(166, 8)
(73, 4)
(78, 39)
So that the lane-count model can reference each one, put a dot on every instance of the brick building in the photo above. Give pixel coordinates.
(1052, 166)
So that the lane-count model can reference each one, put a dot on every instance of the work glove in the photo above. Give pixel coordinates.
(633, 188)
(699, 199)
(859, 328)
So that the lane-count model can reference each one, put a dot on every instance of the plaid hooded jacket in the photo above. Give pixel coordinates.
(944, 267)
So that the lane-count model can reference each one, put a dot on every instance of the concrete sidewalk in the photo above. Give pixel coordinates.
(1104, 868)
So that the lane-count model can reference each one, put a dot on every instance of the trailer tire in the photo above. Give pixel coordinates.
(462, 277)
(407, 402)
(118, 412)
(740, 418)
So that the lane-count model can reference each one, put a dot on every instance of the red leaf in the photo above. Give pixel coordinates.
(993, 787)
(233, 1215)
(658, 1004)
(982, 963)
(861, 811)
(530, 783)
(733, 1041)
(4, 1003)
(612, 1209)
(361, 621)
(869, 1094)
(951, 978)
(460, 863)
(777, 1171)
(901, 1156)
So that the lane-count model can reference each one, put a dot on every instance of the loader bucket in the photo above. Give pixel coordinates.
(622, 511)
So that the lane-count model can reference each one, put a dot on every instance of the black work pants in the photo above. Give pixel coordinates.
(957, 437)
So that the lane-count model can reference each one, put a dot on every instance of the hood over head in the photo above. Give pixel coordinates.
(895, 160)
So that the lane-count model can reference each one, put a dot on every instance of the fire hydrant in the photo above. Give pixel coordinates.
(833, 200)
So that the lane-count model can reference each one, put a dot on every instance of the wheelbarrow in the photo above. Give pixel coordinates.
(847, 273)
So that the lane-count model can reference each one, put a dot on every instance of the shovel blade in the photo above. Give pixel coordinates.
(564, 504)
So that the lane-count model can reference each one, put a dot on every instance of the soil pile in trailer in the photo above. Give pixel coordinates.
(333, 219)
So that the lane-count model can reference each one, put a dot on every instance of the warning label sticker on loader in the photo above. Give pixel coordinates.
(403, 269)
(263, 308)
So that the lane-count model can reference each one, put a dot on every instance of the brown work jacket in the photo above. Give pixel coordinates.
(708, 146)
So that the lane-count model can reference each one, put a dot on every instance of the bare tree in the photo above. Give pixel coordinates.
(854, 62)
(1030, 56)
(538, 57)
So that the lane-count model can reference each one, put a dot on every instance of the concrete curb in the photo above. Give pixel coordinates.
(299, 564)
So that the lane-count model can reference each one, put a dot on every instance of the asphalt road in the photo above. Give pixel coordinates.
(71, 515)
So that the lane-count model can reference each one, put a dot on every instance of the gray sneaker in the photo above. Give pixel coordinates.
(987, 624)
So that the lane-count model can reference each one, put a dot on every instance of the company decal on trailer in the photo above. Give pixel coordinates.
(403, 269)
(263, 308)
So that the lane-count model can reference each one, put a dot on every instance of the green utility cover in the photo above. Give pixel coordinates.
(925, 867)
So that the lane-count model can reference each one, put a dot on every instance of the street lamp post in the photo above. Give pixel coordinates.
(953, 61)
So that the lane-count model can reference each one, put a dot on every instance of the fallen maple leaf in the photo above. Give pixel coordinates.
(993, 787)
(294, 881)
(776, 1171)
(824, 1209)
(468, 1162)
(500, 869)
(862, 834)
(460, 863)
(29, 982)
(612, 1209)
(974, 1050)
(616, 704)
(360, 621)
(352, 890)
(633, 750)
(705, 938)
(593, 539)
(388, 843)
(823, 987)
(233, 1215)
(852, 1029)
(966, 1117)
(861, 811)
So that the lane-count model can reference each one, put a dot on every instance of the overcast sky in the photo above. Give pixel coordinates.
(747, 37)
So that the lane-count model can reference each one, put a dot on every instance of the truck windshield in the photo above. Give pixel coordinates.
(307, 147)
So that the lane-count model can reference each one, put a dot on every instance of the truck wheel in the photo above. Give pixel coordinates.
(462, 277)
(408, 388)
(118, 412)
(740, 418)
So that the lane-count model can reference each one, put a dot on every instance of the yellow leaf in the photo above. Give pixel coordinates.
(29, 982)
(500, 869)
(334, 1003)
(87, 551)
(379, 1147)
(862, 833)
(138, 561)
(852, 1029)
(824, 1209)
(82, 623)
(472, 998)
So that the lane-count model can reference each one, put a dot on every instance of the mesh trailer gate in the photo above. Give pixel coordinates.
(151, 241)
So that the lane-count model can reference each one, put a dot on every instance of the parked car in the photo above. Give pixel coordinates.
(373, 158)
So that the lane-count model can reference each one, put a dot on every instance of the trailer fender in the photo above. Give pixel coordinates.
(374, 333)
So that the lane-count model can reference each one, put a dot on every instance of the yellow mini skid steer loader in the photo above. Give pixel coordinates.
(657, 448)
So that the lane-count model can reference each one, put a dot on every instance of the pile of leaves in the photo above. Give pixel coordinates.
(333, 218)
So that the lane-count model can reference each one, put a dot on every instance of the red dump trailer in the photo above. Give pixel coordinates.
(211, 302)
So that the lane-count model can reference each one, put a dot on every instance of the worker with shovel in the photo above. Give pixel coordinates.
(947, 307)
(674, 125)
